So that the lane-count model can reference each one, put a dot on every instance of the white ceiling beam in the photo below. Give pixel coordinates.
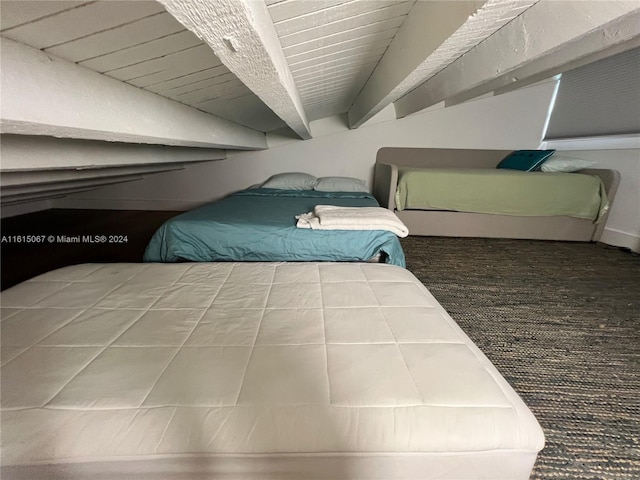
(32, 153)
(242, 35)
(417, 53)
(44, 195)
(46, 95)
(56, 188)
(549, 38)
(46, 177)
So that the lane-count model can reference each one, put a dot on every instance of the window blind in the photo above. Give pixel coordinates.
(598, 99)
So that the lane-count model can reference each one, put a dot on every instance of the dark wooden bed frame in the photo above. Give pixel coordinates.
(463, 224)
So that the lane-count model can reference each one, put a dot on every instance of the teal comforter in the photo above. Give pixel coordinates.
(259, 225)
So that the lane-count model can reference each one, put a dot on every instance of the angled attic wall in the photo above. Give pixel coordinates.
(496, 122)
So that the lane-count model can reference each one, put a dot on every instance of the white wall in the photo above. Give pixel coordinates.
(623, 224)
(514, 120)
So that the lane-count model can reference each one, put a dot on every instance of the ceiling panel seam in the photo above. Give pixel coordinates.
(33, 20)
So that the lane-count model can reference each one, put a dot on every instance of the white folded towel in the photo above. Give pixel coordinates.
(331, 217)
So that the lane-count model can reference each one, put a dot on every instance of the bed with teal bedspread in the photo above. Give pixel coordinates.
(259, 224)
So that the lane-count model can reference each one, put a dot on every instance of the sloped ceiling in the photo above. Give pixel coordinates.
(163, 76)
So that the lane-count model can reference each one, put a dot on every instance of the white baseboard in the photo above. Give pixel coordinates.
(618, 238)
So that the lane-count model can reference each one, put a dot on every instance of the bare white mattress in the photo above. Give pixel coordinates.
(249, 370)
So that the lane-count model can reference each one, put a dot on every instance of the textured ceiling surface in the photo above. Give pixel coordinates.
(139, 43)
(332, 46)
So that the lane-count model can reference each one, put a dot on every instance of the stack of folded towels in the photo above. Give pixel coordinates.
(331, 217)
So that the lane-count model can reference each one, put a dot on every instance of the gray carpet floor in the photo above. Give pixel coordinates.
(561, 322)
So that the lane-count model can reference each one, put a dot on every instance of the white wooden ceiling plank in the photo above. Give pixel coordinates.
(373, 29)
(118, 38)
(324, 110)
(335, 96)
(354, 52)
(238, 95)
(273, 2)
(247, 110)
(338, 61)
(545, 40)
(163, 88)
(80, 22)
(221, 91)
(49, 176)
(165, 75)
(340, 86)
(343, 46)
(289, 9)
(161, 47)
(332, 14)
(19, 12)
(328, 94)
(242, 35)
(345, 24)
(328, 72)
(334, 100)
(196, 58)
(233, 94)
(216, 91)
(354, 76)
(70, 101)
(311, 101)
(333, 105)
(202, 84)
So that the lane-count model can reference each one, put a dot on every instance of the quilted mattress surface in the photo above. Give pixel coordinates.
(151, 361)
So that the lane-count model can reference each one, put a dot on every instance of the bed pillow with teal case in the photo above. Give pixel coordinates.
(525, 160)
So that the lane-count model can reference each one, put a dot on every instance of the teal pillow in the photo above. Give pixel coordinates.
(525, 160)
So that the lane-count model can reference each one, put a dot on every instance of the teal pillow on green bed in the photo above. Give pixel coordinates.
(526, 160)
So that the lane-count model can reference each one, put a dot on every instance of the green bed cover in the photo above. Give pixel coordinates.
(501, 191)
(259, 225)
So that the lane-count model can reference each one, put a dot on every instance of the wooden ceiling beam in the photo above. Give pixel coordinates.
(242, 35)
(549, 38)
(46, 95)
(433, 35)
